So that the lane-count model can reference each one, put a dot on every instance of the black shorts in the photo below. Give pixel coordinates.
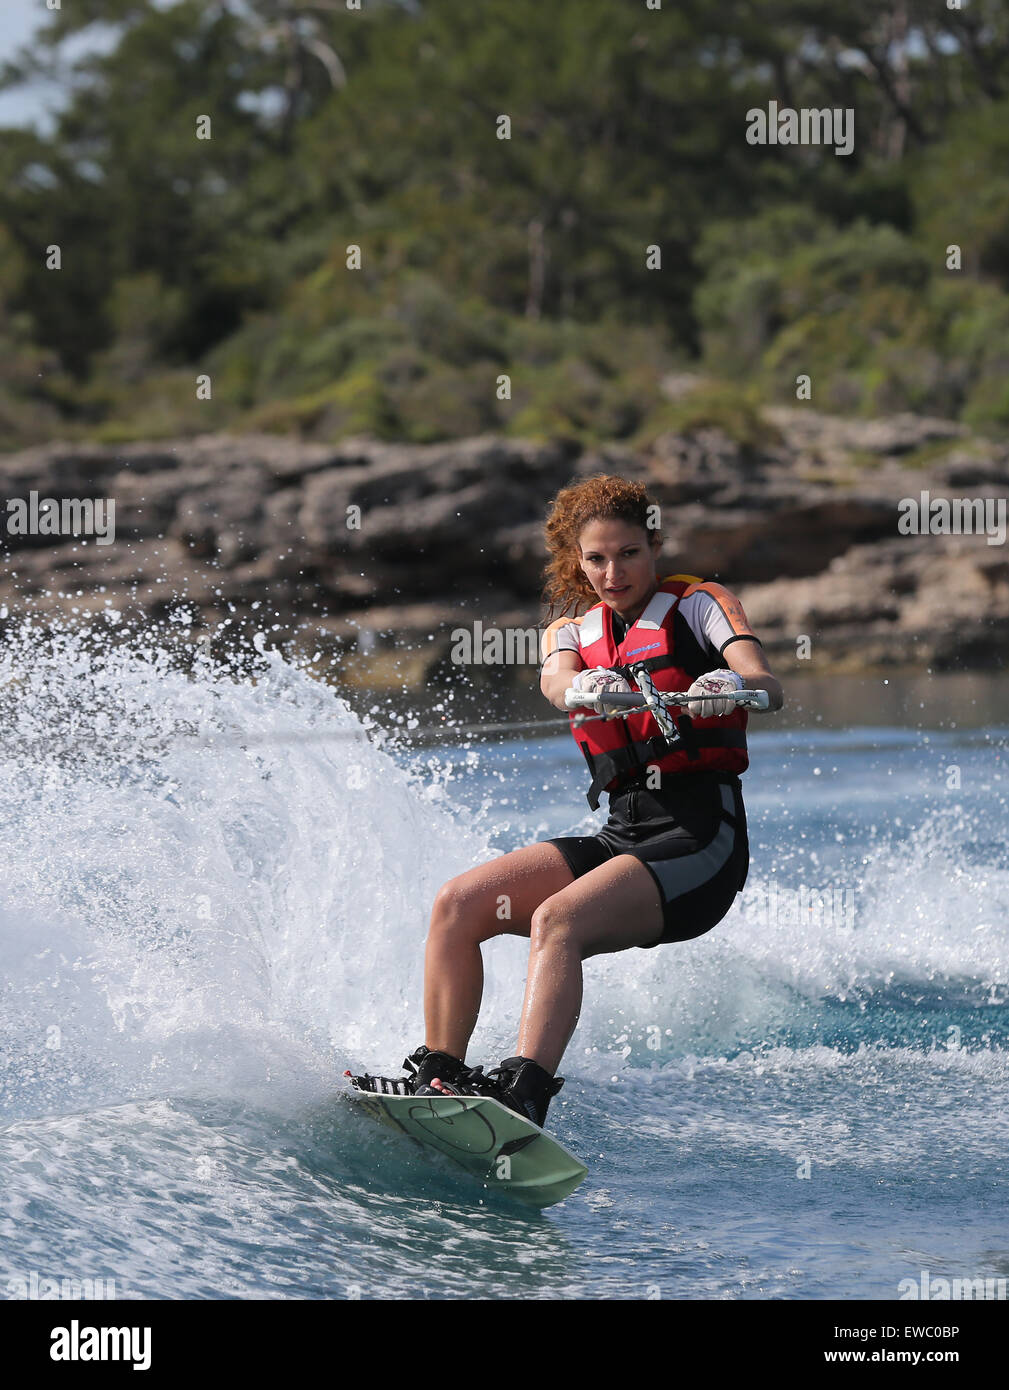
(690, 835)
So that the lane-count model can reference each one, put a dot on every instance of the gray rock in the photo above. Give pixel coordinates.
(403, 542)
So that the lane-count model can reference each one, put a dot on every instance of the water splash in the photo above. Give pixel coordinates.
(178, 917)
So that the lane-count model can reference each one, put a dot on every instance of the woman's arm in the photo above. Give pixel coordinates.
(556, 675)
(748, 659)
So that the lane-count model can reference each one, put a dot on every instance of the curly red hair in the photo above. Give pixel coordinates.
(600, 498)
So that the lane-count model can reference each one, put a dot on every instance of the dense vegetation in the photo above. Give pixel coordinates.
(484, 257)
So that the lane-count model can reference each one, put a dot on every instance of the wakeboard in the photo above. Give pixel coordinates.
(494, 1144)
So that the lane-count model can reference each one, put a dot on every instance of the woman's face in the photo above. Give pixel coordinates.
(618, 559)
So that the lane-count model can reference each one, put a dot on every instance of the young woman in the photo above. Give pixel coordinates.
(673, 853)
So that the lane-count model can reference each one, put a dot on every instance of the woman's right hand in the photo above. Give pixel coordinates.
(563, 671)
(600, 679)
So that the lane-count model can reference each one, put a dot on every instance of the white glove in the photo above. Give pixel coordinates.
(599, 678)
(712, 685)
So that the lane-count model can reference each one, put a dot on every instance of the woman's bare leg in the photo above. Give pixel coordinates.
(496, 899)
(610, 909)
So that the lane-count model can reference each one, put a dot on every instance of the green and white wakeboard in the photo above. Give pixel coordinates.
(493, 1143)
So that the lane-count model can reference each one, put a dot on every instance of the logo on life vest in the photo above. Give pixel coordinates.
(652, 646)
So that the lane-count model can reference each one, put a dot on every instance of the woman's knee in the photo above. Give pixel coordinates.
(451, 904)
(554, 923)
(461, 909)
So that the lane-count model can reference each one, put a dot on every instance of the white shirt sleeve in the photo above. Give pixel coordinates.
(709, 624)
(561, 639)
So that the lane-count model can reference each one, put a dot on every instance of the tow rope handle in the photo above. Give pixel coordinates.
(620, 704)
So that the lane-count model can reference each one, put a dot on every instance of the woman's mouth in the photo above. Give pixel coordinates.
(623, 589)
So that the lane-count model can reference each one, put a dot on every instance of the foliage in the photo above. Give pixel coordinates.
(484, 258)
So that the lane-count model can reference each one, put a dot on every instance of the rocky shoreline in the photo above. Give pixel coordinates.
(377, 552)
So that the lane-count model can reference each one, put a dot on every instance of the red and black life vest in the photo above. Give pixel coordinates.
(620, 750)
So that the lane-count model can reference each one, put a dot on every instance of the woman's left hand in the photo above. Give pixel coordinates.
(707, 689)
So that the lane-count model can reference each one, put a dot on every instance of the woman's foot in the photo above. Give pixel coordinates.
(519, 1083)
(420, 1066)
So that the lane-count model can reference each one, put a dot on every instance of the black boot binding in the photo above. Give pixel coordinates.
(422, 1066)
(519, 1082)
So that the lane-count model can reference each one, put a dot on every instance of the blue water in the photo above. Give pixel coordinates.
(198, 938)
